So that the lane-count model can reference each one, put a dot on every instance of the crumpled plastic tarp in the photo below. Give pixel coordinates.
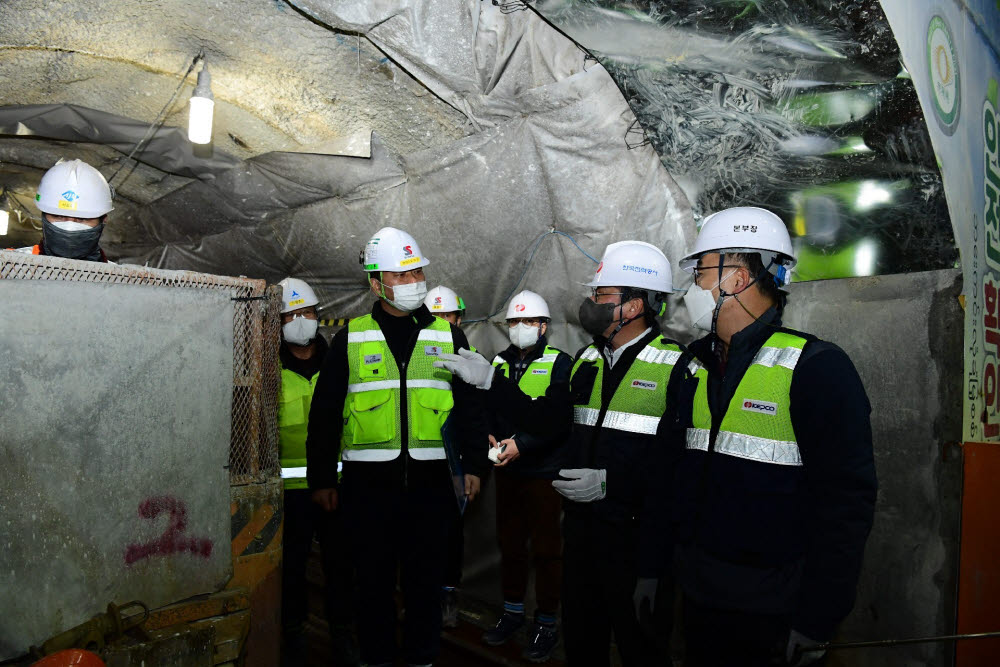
(799, 107)
(548, 154)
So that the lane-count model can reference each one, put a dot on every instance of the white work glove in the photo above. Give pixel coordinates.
(471, 367)
(795, 652)
(583, 485)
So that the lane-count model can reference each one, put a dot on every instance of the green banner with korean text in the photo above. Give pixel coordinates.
(950, 49)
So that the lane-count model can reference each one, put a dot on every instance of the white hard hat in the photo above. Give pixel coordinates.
(443, 300)
(527, 304)
(296, 294)
(634, 264)
(392, 249)
(742, 229)
(74, 189)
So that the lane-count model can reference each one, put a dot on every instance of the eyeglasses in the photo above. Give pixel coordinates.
(531, 322)
(699, 271)
(597, 295)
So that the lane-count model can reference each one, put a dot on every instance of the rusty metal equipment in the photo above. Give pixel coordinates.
(96, 633)
(241, 621)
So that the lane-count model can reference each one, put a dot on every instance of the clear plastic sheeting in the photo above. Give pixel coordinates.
(800, 107)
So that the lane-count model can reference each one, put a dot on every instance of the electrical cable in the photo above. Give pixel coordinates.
(527, 265)
(159, 120)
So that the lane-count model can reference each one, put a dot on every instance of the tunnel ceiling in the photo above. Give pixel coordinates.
(802, 107)
(282, 82)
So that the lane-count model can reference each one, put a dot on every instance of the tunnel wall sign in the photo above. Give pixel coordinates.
(950, 49)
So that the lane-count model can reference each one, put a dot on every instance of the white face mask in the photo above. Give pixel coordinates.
(300, 331)
(523, 335)
(700, 305)
(407, 298)
(69, 226)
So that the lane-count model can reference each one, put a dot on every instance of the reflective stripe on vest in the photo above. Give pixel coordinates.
(293, 418)
(620, 421)
(372, 408)
(757, 425)
(537, 376)
(640, 399)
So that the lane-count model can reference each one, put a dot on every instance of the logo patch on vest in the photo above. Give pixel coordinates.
(643, 384)
(433, 350)
(373, 359)
(763, 407)
(539, 371)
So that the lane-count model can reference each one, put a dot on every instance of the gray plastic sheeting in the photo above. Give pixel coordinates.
(548, 153)
(115, 445)
(166, 149)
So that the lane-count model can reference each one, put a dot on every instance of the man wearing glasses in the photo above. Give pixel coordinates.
(625, 436)
(775, 493)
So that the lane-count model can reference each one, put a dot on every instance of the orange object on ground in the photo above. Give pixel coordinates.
(74, 657)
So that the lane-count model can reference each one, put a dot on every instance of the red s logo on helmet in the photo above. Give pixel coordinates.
(519, 307)
(437, 299)
(407, 250)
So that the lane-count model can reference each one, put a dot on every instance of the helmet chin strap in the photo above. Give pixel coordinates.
(736, 295)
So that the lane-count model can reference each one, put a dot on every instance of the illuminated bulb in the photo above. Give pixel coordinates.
(202, 108)
(4, 218)
(872, 194)
(864, 258)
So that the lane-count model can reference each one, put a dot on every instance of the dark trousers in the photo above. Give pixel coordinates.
(456, 550)
(599, 566)
(406, 531)
(725, 638)
(528, 534)
(303, 520)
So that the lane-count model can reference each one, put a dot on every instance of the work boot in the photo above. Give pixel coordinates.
(343, 646)
(449, 608)
(509, 624)
(543, 641)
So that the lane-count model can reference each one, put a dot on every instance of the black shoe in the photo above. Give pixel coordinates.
(343, 646)
(506, 627)
(543, 641)
(449, 609)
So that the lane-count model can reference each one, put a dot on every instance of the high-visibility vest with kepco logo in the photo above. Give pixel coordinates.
(641, 398)
(537, 376)
(757, 425)
(373, 409)
(293, 420)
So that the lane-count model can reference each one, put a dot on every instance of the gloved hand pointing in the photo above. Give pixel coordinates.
(471, 367)
(582, 485)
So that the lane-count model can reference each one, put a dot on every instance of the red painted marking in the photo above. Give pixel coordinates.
(173, 540)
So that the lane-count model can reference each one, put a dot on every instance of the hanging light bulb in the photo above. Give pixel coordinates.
(202, 107)
(4, 215)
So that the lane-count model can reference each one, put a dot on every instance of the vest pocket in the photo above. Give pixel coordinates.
(372, 418)
(292, 412)
(430, 409)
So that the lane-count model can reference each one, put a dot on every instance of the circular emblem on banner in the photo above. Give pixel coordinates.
(946, 82)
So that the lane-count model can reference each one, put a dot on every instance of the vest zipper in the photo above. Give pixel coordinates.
(404, 400)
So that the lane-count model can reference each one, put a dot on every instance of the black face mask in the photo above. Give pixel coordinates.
(595, 318)
(83, 244)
